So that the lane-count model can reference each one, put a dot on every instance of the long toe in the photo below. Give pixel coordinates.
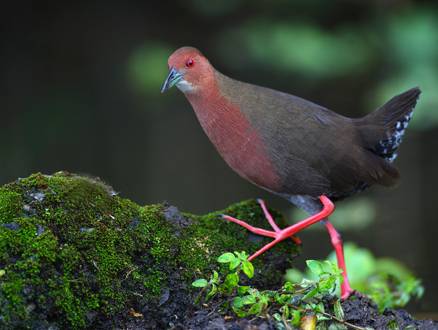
(268, 215)
(255, 230)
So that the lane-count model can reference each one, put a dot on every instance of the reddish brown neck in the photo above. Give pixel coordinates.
(234, 138)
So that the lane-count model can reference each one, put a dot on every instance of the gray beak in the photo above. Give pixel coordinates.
(173, 78)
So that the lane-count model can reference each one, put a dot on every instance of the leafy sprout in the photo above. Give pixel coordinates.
(386, 281)
(306, 299)
(289, 304)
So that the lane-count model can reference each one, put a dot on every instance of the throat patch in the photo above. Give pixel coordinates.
(184, 86)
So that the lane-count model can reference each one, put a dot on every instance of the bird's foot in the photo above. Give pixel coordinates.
(356, 294)
(271, 220)
(281, 234)
(346, 290)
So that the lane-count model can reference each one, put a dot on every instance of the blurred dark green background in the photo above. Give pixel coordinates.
(80, 91)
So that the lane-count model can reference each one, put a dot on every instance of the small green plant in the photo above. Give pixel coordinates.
(386, 281)
(306, 301)
(309, 299)
(236, 263)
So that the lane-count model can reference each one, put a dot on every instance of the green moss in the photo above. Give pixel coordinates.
(10, 204)
(70, 249)
(199, 252)
(153, 281)
(68, 243)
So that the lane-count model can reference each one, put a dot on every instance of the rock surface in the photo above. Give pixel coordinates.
(73, 254)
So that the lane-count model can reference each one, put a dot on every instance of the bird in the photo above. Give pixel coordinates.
(292, 147)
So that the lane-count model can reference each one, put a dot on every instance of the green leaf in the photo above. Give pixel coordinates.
(319, 308)
(2, 272)
(231, 280)
(296, 317)
(294, 275)
(330, 267)
(249, 299)
(286, 311)
(327, 284)
(339, 312)
(238, 302)
(288, 287)
(282, 298)
(200, 283)
(241, 290)
(248, 269)
(264, 298)
(392, 325)
(239, 312)
(277, 317)
(226, 257)
(215, 277)
(315, 266)
(212, 292)
(234, 263)
(255, 309)
(241, 255)
(311, 293)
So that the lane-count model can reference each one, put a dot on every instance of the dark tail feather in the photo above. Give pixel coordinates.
(382, 130)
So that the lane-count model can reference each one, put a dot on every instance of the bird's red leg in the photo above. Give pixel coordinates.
(255, 230)
(268, 215)
(336, 240)
(283, 234)
(271, 220)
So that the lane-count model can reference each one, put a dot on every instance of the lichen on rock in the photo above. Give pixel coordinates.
(75, 254)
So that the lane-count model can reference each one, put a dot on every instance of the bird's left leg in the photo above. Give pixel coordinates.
(271, 220)
(336, 241)
(288, 232)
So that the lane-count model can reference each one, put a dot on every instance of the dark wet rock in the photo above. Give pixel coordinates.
(11, 225)
(172, 214)
(38, 196)
(40, 230)
(86, 230)
(134, 223)
(29, 210)
(361, 311)
(164, 297)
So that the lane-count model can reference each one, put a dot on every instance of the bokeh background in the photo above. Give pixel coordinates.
(80, 91)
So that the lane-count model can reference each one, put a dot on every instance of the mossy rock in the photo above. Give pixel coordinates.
(73, 254)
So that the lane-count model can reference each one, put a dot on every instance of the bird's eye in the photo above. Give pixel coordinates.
(190, 63)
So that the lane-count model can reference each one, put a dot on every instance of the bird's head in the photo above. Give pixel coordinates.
(189, 70)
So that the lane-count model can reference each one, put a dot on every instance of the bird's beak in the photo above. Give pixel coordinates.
(173, 78)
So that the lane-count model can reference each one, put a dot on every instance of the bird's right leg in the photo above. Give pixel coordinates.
(336, 241)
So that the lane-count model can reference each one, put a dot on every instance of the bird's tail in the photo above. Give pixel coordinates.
(382, 130)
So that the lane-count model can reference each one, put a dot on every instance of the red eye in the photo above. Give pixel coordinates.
(190, 63)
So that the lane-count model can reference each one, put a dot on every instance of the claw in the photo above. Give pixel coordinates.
(296, 240)
(345, 295)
